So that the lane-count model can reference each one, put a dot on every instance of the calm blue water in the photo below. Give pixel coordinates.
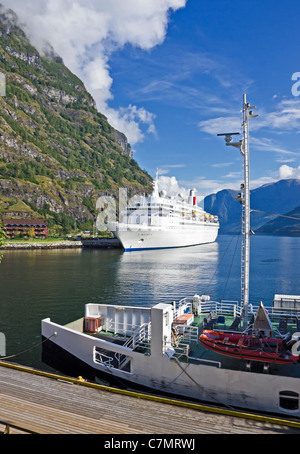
(57, 283)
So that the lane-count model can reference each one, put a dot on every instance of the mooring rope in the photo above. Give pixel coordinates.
(229, 272)
(28, 349)
(204, 389)
(219, 264)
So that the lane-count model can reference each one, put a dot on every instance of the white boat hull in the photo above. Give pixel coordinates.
(158, 372)
(137, 237)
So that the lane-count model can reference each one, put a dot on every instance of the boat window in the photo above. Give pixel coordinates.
(289, 400)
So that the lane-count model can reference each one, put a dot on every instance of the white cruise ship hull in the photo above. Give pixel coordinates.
(139, 237)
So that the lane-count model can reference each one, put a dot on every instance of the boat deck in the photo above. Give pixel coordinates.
(188, 348)
(290, 324)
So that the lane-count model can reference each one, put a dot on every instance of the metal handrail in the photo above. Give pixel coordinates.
(233, 307)
(140, 334)
(100, 356)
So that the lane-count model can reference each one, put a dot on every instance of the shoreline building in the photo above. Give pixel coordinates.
(21, 227)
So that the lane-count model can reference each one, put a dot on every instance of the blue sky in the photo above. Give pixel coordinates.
(213, 53)
(171, 74)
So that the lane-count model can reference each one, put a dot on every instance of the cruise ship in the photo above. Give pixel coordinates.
(161, 222)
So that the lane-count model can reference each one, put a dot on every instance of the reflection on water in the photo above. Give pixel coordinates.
(165, 275)
(57, 283)
(275, 267)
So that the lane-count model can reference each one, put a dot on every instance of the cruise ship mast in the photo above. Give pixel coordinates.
(244, 199)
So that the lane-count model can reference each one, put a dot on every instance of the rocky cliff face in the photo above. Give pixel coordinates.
(57, 153)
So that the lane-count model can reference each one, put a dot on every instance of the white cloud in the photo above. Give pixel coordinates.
(86, 32)
(175, 87)
(220, 125)
(266, 144)
(171, 186)
(286, 172)
(166, 168)
(201, 185)
(233, 175)
(205, 186)
(286, 117)
(129, 120)
(222, 164)
(285, 160)
(261, 181)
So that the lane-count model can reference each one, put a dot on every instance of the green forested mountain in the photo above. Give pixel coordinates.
(58, 154)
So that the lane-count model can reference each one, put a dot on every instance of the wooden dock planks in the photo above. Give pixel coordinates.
(49, 406)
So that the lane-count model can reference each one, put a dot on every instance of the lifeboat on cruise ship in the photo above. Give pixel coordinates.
(256, 345)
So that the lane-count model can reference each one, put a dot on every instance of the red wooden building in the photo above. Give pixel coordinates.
(21, 227)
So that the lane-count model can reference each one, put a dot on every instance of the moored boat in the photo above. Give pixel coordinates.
(162, 222)
(158, 348)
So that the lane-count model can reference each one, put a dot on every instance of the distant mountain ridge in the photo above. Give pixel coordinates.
(58, 154)
(280, 198)
(286, 225)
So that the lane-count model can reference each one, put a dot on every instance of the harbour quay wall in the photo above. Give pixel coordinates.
(95, 243)
(102, 243)
(43, 245)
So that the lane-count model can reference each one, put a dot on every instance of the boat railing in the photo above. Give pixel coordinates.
(100, 357)
(234, 308)
(182, 306)
(228, 307)
(224, 307)
(126, 330)
(122, 360)
(275, 313)
(139, 337)
(140, 334)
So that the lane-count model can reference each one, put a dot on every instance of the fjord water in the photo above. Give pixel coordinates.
(58, 283)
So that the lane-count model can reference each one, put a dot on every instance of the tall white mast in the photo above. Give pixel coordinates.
(244, 198)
